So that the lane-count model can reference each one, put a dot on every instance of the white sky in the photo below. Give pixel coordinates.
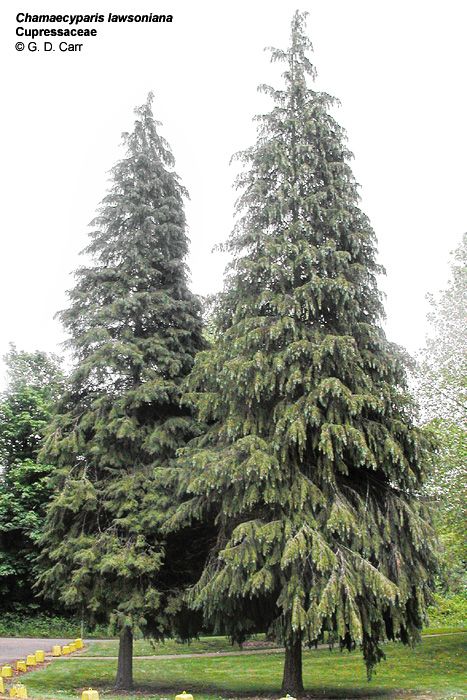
(398, 67)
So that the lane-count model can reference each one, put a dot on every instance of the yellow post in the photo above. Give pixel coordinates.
(90, 694)
(2, 685)
(21, 665)
(40, 656)
(31, 660)
(72, 646)
(56, 650)
(6, 671)
(66, 649)
(184, 696)
(79, 643)
(18, 691)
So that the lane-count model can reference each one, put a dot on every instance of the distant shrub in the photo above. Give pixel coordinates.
(41, 624)
(449, 611)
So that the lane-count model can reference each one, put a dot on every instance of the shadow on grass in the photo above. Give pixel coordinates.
(220, 691)
(214, 691)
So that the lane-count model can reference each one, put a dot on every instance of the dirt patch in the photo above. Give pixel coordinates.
(260, 644)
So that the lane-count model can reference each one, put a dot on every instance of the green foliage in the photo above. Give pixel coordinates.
(446, 487)
(24, 492)
(134, 329)
(311, 465)
(31, 622)
(26, 408)
(34, 384)
(440, 386)
(442, 372)
(448, 610)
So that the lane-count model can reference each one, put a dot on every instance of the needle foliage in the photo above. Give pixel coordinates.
(134, 329)
(311, 464)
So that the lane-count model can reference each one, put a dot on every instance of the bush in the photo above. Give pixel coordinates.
(448, 611)
(27, 624)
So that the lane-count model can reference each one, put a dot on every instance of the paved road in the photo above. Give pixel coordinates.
(13, 648)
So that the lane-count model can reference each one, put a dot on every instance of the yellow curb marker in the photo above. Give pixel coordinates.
(90, 694)
(21, 665)
(184, 696)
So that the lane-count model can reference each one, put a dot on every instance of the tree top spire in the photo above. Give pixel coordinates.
(296, 54)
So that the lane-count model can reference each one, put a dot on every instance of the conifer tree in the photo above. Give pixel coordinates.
(311, 464)
(134, 329)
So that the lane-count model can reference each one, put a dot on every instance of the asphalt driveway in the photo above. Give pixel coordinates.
(13, 648)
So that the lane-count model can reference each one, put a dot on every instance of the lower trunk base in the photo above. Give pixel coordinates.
(124, 679)
(292, 681)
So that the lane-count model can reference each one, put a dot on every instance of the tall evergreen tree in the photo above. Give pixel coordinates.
(311, 464)
(134, 329)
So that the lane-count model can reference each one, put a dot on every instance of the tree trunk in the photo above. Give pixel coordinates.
(124, 680)
(292, 681)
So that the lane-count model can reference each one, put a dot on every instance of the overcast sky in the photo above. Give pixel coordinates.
(398, 67)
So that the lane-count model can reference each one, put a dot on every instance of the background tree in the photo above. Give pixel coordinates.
(442, 385)
(134, 329)
(311, 465)
(26, 407)
(441, 389)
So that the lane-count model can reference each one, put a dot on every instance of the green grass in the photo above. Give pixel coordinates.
(437, 666)
(143, 647)
(443, 630)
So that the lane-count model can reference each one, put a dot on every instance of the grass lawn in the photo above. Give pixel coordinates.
(143, 647)
(436, 667)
